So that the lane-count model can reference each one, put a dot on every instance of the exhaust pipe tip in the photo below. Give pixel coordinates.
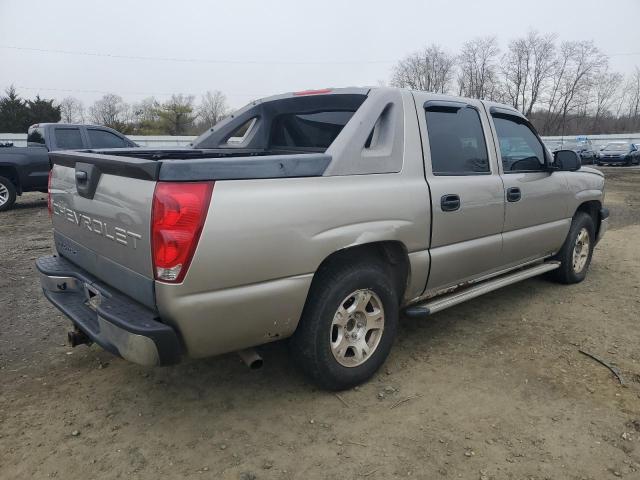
(78, 337)
(251, 358)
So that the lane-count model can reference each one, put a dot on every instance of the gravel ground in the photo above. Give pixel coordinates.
(491, 389)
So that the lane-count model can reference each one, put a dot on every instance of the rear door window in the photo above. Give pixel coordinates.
(68, 138)
(308, 130)
(456, 140)
(103, 139)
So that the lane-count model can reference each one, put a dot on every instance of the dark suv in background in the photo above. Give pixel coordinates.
(619, 153)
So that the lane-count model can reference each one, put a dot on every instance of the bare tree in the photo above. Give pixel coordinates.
(213, 108)
(607, 87)
(111, 111)
(145, 116)
(526, 67)
(633, 94)
(543, 49)
(516, 64)
(478, 70)
(71, 110)
(430, 70)
(576, 66)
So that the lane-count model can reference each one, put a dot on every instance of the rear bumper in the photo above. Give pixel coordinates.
(117, 323)
(604, 223)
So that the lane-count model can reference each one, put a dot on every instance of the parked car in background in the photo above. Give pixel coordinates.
(329, 213)
(583, 148)
(26, 169)
(618, 153)
(635, 155)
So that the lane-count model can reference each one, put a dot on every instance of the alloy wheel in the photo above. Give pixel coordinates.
(356, 329)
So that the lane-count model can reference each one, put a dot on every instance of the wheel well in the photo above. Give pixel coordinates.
(592, 208)
(393, 254)
(11, 174)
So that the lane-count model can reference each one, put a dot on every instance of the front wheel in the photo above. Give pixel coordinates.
(575, 255)
(348, 325)
(7, 194)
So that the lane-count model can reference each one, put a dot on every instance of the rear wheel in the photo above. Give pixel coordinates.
(575, 255)
(348, 325)
(7, 194)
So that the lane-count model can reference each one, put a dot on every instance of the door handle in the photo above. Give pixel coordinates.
(513, 194)
(450, 202)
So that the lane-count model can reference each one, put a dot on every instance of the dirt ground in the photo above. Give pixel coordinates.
(491, 389)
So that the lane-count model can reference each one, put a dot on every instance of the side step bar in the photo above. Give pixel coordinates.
(425, 309)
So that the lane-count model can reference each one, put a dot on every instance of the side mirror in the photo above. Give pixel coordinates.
(566, 160)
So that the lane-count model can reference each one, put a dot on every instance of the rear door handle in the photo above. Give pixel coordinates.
(450, 202)
(513, 194)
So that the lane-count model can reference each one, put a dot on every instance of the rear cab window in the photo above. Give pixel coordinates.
(456, 140)
(315, 130)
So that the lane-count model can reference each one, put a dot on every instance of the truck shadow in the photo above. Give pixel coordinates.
(29, 204)
(224, 383)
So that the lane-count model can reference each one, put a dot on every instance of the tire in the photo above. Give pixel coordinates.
(7, 194)
(574, 259)
(337, 309)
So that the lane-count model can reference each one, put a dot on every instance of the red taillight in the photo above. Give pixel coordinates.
(312, 92)
(49, 205)
(177, 217)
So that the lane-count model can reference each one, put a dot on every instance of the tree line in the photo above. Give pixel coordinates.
(564, 88)
(178, 115)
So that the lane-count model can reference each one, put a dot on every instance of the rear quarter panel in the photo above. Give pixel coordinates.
(264, 239)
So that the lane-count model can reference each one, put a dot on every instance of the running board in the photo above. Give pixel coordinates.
(425, 309)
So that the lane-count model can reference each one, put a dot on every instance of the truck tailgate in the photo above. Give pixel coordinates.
(101, 223)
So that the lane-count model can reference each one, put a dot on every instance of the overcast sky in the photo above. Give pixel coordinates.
(253, 48)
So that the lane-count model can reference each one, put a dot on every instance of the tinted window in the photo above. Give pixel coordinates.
(520, 149)
(35, 136)
(316, 130)
(68, 138)
(102, 139)
(456, 141)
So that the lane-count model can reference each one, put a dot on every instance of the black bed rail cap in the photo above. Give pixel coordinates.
(245, 168)
(109, 164)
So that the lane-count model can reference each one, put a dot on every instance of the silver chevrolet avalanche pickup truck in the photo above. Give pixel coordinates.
(318, 216)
